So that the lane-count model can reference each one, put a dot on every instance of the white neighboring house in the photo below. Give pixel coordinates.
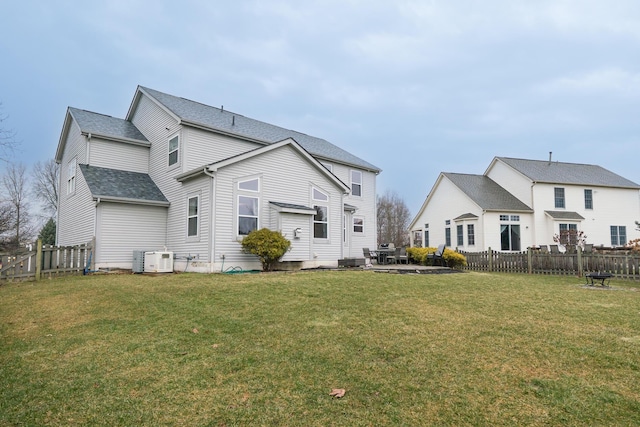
(196, 179)
(519, 203)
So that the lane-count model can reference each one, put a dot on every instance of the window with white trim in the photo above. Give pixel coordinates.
(248, 205)
(321, 222)
(558, 194)
(588, 199)
(471, 235)
(356, 183)
(174, 149)
(358, 225)
(568, 234)
(618, 235)
(329, 166)
(193, 216)
(459, 234)
(71, 176)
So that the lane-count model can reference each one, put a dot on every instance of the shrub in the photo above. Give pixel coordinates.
(268, 245)
(453, 258)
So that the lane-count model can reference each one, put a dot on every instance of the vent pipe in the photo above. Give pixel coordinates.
(550, 154)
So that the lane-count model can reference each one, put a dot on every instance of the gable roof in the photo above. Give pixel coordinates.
(99, 125)
(122, 186)
(486, 193)
(217, 119)
(567, 173)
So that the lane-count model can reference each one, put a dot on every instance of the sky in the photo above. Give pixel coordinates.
(415, 87)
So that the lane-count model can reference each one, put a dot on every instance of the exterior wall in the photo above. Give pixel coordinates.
(512, 181)
(611, 206)
(123, 228)
(118, 155)
(366, 209)
(76, 212)
(290, 184)
(202, 147)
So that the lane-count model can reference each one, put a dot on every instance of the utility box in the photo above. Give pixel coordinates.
(138, 262)
(158, 262)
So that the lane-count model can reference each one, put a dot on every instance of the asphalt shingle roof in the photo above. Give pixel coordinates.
(292, 206)
(565, 215)
(217, 118)
(100, 124)
(120, 184)
(568, 173)
(486, 193)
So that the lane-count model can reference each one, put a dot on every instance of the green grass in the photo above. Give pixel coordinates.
(267, 349)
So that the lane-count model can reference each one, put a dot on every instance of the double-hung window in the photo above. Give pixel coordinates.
(471, 235)
(193, 216)
(248, 205)
(460, 235)
(71, 176)
(618, 235)
(568, 234)
(174, 149)
(321, 217)
(356, 183)
(588, 199)
(558, 194)
(358, 225)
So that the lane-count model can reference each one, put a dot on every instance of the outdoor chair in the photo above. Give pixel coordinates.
(437, 256)
(554, 249)
(368, 254)
(392, 258)
(588, 248)
(402, 256)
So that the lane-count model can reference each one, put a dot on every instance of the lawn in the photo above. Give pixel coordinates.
(267, 349)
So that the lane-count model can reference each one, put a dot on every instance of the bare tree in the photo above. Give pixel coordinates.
(15, 186)
(7, 138)
(45, 186)
(393, 219)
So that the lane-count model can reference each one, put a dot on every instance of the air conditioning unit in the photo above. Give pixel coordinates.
(158, 262)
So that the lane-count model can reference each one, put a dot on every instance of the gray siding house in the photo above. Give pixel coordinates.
(182, 176)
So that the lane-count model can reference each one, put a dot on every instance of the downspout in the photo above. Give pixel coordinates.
(88, 154)
(95, 229)
(212, 222)
(535, 220)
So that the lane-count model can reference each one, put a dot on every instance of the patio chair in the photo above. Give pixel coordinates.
(544, 249)
(402, 256)
(588, 248)
(554, 249)
(392, 258)
(368, 254)
(437, 256)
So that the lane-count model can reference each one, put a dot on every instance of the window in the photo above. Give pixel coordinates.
(447, 236)
(568, 234)
(459, 232)
(329, 166)
(356, 183)
(510, 237)
(71, 176)
(426, 235)
(588, 199)
(358, 225)
(559, 197)
(319, 195)
(618, 235)
(193, 216)
(320, 223)
(250, 185)
(247, 214)
(504, 217)
(174, 145)
(515, 218)
(471, 235)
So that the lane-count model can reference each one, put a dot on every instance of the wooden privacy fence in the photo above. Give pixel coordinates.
(46, 261)
(579, 263)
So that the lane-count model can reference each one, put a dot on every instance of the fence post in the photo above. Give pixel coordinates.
(580, 264)
(38, 259)
(530, 260)
(490, 255)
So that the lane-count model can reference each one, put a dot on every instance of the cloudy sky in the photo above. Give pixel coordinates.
(414, 87)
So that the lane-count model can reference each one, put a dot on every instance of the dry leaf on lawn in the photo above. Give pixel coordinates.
(337, 392)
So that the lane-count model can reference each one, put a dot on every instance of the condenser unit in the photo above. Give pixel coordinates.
(158, 262)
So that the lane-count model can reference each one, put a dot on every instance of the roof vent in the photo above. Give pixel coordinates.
(550, 154)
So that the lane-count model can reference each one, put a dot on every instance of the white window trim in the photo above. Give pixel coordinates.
(238, 215)
(177, 150)
(197, 216)
(72, 168)
(354, 182)
(326, 221)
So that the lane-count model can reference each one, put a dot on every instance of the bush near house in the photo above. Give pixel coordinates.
(453, 258)
(268, 245)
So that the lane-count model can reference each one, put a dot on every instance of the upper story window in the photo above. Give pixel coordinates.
(588, 199)
(319, 195)
(174, 148)
(193, 216)
(356, 183)
(327, 165)
(558, 194)
(71, 176)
